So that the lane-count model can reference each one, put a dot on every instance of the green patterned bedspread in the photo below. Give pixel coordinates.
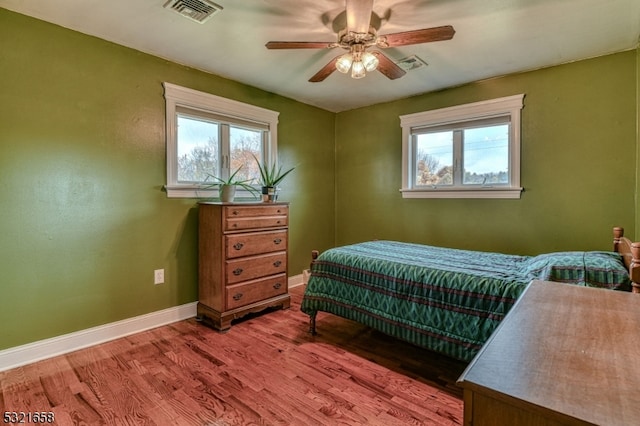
(446, 300)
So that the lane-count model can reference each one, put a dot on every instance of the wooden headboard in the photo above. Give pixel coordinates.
(630, 252)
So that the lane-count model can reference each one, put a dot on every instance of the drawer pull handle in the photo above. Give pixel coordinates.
(278, 210)
(238, 246)
(237, 296)
(278, 222)
(235, 212)
(277, 263)
(235, 225)
(277, 285)
(237, 272)
(277, 241)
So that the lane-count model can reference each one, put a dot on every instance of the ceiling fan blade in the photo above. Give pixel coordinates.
(359, 15)
(426, 35)
(387, 67)
(325, 71)
(299, 45)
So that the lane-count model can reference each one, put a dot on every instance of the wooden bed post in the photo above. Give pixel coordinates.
(312, 324)
(630, 254)
(312, 317)
(618, 232)
(634, 268)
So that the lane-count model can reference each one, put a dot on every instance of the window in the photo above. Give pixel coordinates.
(466, 151)
(212, 136)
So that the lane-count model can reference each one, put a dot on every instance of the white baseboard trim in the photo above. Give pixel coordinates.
(60, 345)
(296, 281)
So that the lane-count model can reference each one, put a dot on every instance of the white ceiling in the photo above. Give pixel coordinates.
(493, 38)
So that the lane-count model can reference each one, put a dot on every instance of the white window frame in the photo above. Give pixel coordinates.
(507, 106)
(178, 96)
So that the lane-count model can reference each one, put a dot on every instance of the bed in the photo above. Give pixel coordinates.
(449, 300)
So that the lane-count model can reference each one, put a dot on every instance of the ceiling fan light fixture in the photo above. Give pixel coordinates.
(370, 61)
(343, 64)
(359, 34)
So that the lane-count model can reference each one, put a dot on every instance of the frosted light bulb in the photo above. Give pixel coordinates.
(344, 63)
(357, 70)
(370, 61)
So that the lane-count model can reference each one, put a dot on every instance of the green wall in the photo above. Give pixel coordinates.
(84, 220)
(578, 165)
(637, 168)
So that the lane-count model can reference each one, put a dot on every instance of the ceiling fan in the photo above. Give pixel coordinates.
(357, 37)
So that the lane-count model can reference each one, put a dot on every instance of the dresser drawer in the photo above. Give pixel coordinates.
(244, 223)
(238, 218)
(248, 268)
(231, 212)
(256, 290)
(250, 243)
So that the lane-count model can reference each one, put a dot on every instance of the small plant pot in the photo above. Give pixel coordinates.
(227, 193)
(269, 194)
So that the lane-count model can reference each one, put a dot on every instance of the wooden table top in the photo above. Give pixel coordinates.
(567, 350)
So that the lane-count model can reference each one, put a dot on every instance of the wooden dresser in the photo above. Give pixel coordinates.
(564, 355)
(242, 260)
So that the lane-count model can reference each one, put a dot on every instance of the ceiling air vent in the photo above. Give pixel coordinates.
(196, 10)
(411, 63)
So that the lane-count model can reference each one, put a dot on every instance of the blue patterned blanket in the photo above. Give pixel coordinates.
(446, 300)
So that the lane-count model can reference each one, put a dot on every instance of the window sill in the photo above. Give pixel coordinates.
(193, 191)
(507, 193)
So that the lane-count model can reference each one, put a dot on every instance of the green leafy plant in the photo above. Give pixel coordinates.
(270, 176)
(231, 180)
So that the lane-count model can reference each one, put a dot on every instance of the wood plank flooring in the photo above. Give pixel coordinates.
(267, 370)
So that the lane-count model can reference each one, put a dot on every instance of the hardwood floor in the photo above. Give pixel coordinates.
(267, 370)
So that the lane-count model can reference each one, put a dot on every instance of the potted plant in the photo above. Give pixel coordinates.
(227, 187)
(270, 177)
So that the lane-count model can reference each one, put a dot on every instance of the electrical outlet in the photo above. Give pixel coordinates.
(158, 276)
